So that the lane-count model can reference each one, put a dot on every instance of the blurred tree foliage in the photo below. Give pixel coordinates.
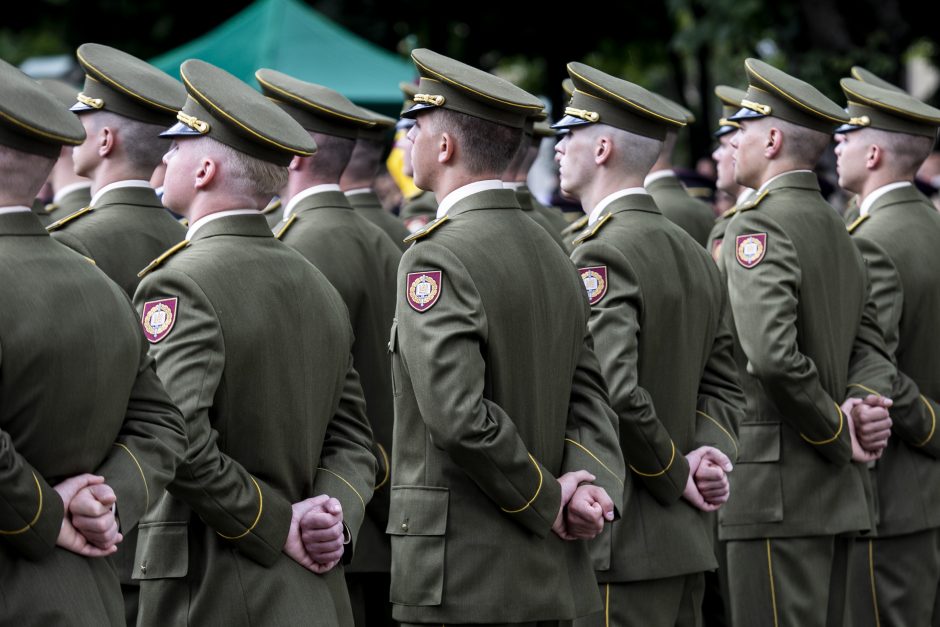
(681, 48)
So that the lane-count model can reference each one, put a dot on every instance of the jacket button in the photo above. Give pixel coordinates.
(404, 526)
(143, 568)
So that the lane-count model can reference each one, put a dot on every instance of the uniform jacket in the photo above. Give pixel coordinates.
(367, 205)
(662, 336)
(497, 393)
(799, 293)
(528, 204)
(898, 240)
(69, 203)
(258, 359)
(694, 216)
(360, 260)
(122, 233)
(78, 394)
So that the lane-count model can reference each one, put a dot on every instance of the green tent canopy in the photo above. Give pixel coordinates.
(289, 36)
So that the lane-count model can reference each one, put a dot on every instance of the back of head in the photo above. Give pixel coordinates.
(484, 148)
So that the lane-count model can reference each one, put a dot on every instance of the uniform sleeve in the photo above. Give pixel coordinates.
(913, 415)
(346, 470)
(31, 512)
(592, 440)
(764, 300)
(240, 508)
(721, 402)
(648, 449)
(441, 348)
(149, 446)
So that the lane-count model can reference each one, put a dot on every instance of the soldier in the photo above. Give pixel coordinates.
(897, 573)
(360, 260)
(124, 105)
(364, 166)
(798, 292)
(254, 344)
(664, 345)
(80, 395)
(496, 425)
(71, 192)
(693, 215)
(723, 155)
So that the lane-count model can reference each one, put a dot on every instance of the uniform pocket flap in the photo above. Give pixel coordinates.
(162, 551)
(759, 443)
(418, 511)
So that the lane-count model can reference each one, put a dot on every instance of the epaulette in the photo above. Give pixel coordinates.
(729, 213)
(426, 229)
(576, 226)
(287, 225)
(747, 206)
(858, 222)
(50, 207)
(274, 205)
(89, 260)
(184, 222)
(166, 255)
(593, 231)
(58, 224)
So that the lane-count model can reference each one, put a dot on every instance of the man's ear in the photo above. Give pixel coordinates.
(207, 172)
(603, 149)
(773, 142)
(296, 164)
(446, 148)
(106, 140)
(874, 157)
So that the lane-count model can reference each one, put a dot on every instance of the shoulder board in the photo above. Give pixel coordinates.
(751, 204)
(426, 229)
(50, 207)
(89, 260)
(597, 227)
(729, 212)
(272, 206)
(69, 218)
(577, 225)
(858, 222)
(287, 225)
(156, 262)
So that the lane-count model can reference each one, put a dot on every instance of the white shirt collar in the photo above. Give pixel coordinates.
(605, 202)
(870, 199)
(117, 185)
(68, 189)
(15, 209)
(761, 189)
(358, 190)
(460, 193)
(655, 176)
(310, 191)
(512, 184)
(746, 194)
(204, 220)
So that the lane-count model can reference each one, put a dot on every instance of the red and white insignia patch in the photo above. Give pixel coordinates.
(595, 282)
(158, 318)
(424, 288)
(716, 249)
(750, 249)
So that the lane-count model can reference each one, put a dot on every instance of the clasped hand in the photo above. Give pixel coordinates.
(89, 526)
(584, 507)
(316, 537)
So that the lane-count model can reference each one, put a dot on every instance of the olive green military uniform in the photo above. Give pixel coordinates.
(799, 294)
(644, 276)
(71, 199)
(126, 225)
(527, 203)
(898, 572)
(418, 210)
(79, 392)
(254, 344)
(693, 216)
(273, 212)
(360, 260)
(367, 204)
(716, 237)
(488, 412)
